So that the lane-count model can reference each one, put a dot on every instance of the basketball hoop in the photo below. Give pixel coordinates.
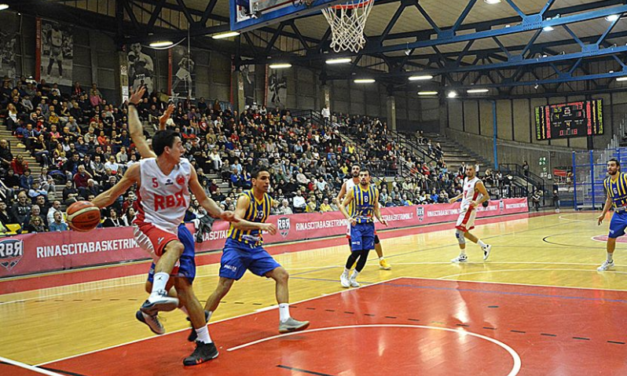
(347, 23)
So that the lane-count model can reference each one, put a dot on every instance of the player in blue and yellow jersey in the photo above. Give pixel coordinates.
(365, 206)
(616, 187)
(243, 251)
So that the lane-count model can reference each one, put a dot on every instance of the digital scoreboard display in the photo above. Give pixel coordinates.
(576, 119)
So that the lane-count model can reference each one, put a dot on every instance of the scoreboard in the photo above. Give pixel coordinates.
(576, 119)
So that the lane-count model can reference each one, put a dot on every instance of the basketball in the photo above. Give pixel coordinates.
(83, 216)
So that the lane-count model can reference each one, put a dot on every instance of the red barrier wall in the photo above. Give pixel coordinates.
(32, 253)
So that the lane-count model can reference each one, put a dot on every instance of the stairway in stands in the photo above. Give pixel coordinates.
(456, 153)
(17, 148)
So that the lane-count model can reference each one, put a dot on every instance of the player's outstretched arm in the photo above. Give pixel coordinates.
(454, 199)
(135, 125)
(240, 212)
(108, 197)
(344, 204)
(210, 206)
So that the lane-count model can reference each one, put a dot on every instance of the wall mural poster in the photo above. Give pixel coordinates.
(277, 89)
(248, 76)
(141, 68)
(183, 68)
(57, 53)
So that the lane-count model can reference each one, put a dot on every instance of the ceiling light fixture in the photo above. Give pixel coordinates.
(339, 60)
(492, 2)
(548, 28)
(477, 91)
(612, 17)
(280, 65)
(228, 34)
(423, 77)
(622, 78)
(4, 6)
(452, 94)
(161, 43)
(364, 80)
(423, 93)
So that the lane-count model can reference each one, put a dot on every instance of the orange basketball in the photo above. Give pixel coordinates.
(83, 216)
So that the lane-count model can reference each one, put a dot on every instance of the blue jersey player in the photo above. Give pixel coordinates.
(616, 187)
(243, 251)
(365, 206)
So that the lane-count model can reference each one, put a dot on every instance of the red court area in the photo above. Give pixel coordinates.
(404, 326)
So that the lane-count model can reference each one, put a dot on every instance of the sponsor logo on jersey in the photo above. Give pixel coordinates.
(180, 180)
(170, 201)
(169, 182)
(11, 252)
(284, 226)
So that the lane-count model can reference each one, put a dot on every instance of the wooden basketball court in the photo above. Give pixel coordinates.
(537, 306)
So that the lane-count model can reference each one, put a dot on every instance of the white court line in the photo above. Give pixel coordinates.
(524, 270)
(513, 354)
(517, 284)
(497, 262)
(576, 220)
(212, 323)
(29, 367)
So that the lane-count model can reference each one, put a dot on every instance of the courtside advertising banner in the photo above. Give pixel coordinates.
(33, 253)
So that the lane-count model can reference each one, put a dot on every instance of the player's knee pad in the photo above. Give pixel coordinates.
(459, 234)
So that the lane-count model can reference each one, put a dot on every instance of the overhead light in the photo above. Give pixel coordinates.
(280, 66)
(548, 28)
(425, 93)
(622, 78)
(228, 34)
(421, 78)
(477, 91)
(339, 60)
(364, 80)
(4, 6)
(612, 17)
(452, 94)
(491, 2)
(408, 52)
(536, 86)
(161, 43)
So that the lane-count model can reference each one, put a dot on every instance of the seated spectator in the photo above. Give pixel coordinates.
(112, 165)
(57, 224)
(113, 220)
(325, 207)
(35, 225)
(26, 180)
(299, 203)
(70, 194)
(18, 165)
(5, 215)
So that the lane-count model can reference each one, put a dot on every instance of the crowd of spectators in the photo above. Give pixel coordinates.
(82, 143)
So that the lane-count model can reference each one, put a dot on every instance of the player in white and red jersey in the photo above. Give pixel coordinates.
(163, 190)
(348, 187)
(473, 195)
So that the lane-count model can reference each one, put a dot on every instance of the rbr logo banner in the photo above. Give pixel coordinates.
(420, 212)
(284, 226)
(11, 252)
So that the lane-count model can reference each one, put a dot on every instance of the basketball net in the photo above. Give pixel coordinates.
(347, 23)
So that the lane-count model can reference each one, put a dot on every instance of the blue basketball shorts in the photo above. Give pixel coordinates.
(362, 237)
(238, 257)
(618, 225)
(187, 262)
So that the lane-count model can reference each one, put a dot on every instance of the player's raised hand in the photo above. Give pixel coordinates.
(269, 228)
(136, 96)
(452, 201)
(601, 218)
(384, 222)
(229, 216)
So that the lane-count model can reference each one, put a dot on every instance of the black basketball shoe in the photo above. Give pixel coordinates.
(204, 352)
